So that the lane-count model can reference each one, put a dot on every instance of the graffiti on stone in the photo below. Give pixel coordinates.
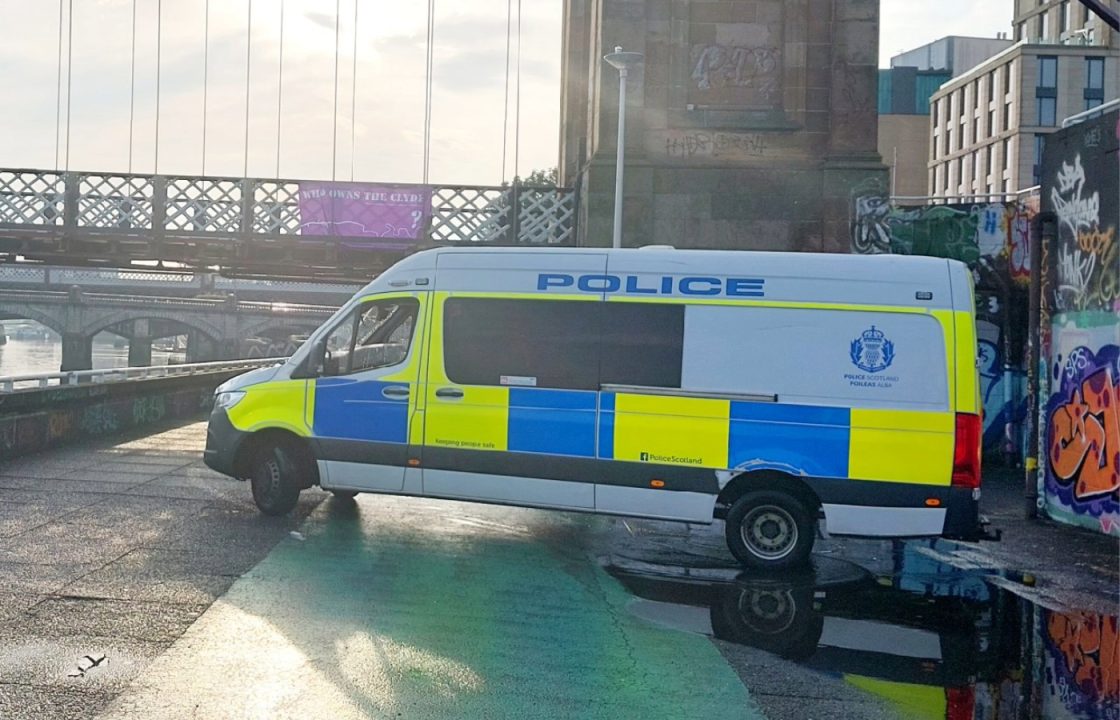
(1083, 434)
(1018, 220)
(1087, 248)
(1076, 209)
(1080, 327)
(1001, 386)
(148, 409)
(59, 425)
(100, 419)
(701, 143)
(752, 73)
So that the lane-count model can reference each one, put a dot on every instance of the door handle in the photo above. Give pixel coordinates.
(395, 391)
(449, 393)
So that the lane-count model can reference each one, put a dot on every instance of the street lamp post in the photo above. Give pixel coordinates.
(621, 61)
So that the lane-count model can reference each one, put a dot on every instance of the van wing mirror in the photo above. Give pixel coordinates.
(312, 364)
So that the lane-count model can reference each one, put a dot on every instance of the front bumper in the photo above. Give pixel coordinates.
(223, 441)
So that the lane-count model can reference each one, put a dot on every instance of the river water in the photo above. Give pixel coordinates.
(24, 357)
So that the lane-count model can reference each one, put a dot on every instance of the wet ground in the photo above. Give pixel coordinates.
(134, 583)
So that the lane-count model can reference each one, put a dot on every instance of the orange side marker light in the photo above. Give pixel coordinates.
(933, 502)
(657, 483)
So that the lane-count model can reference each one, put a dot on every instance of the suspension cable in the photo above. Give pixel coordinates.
(517, 112)
(280, 88)
(58, 92)
(248, 78)
(69, 72)
(159, 59)
(428, 89)
(334, 130)
(505, 106)
(205, 77)
(132, 89)
(354, 93)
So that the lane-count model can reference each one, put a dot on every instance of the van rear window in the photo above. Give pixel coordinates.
(643, 344)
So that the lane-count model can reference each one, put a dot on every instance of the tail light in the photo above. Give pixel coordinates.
(966, 451)
(960, 703)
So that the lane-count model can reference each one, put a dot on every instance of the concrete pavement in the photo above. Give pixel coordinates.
(108, 552)
(136, 583)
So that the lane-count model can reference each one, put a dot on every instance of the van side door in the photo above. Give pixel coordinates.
(366, 393)
(512, 381)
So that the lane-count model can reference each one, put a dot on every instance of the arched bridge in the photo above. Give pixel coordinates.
(214, 327)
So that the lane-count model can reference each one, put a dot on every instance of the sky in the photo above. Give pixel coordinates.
(468, 91)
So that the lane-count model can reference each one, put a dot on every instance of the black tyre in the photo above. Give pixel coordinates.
(770, 530)
(345, 494)
(275, 481)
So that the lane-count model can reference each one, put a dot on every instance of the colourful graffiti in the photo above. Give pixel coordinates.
(1083, 434)
(1084, 650)
(1081, 327)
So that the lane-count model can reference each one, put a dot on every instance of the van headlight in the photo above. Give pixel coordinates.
(226, 400)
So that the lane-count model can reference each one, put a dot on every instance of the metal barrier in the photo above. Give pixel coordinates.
(16, 383)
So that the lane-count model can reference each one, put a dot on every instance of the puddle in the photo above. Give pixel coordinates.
(929, 638)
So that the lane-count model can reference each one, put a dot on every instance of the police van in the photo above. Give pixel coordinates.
(781, 393)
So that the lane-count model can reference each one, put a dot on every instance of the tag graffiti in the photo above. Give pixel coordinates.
(1084, 429)
(1078, 211)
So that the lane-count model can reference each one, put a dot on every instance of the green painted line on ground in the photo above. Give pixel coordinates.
(396, 609)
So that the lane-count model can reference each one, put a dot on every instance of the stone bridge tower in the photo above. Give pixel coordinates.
(751, 126)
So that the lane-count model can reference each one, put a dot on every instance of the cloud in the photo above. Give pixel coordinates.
(321, 19)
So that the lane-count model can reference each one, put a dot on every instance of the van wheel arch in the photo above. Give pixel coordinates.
(749, 481)
(264, 440)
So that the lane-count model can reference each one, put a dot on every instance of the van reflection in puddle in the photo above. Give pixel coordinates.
(931, 640)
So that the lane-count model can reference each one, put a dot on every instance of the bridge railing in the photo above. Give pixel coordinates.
(16, 383)
(246, 224)
(150, 301)
(47, 276)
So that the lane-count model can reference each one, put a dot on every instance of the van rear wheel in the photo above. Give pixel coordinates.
(274, 481)
(770, 530)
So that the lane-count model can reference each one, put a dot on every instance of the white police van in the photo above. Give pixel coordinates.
(771, 390)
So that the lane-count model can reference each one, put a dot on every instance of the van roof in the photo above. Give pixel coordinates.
(836, 268)
(716, 261)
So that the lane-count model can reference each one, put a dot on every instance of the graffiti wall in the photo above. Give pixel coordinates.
(36, 420)
(994, 240)
(1080, 415)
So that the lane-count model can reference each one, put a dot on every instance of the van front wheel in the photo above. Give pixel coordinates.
(770, 530)
(274, 482)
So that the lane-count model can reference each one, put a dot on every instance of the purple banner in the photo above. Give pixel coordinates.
(396, 215)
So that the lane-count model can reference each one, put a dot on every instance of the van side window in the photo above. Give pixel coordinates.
(377, 334)
(643, 344)
(539, 343)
